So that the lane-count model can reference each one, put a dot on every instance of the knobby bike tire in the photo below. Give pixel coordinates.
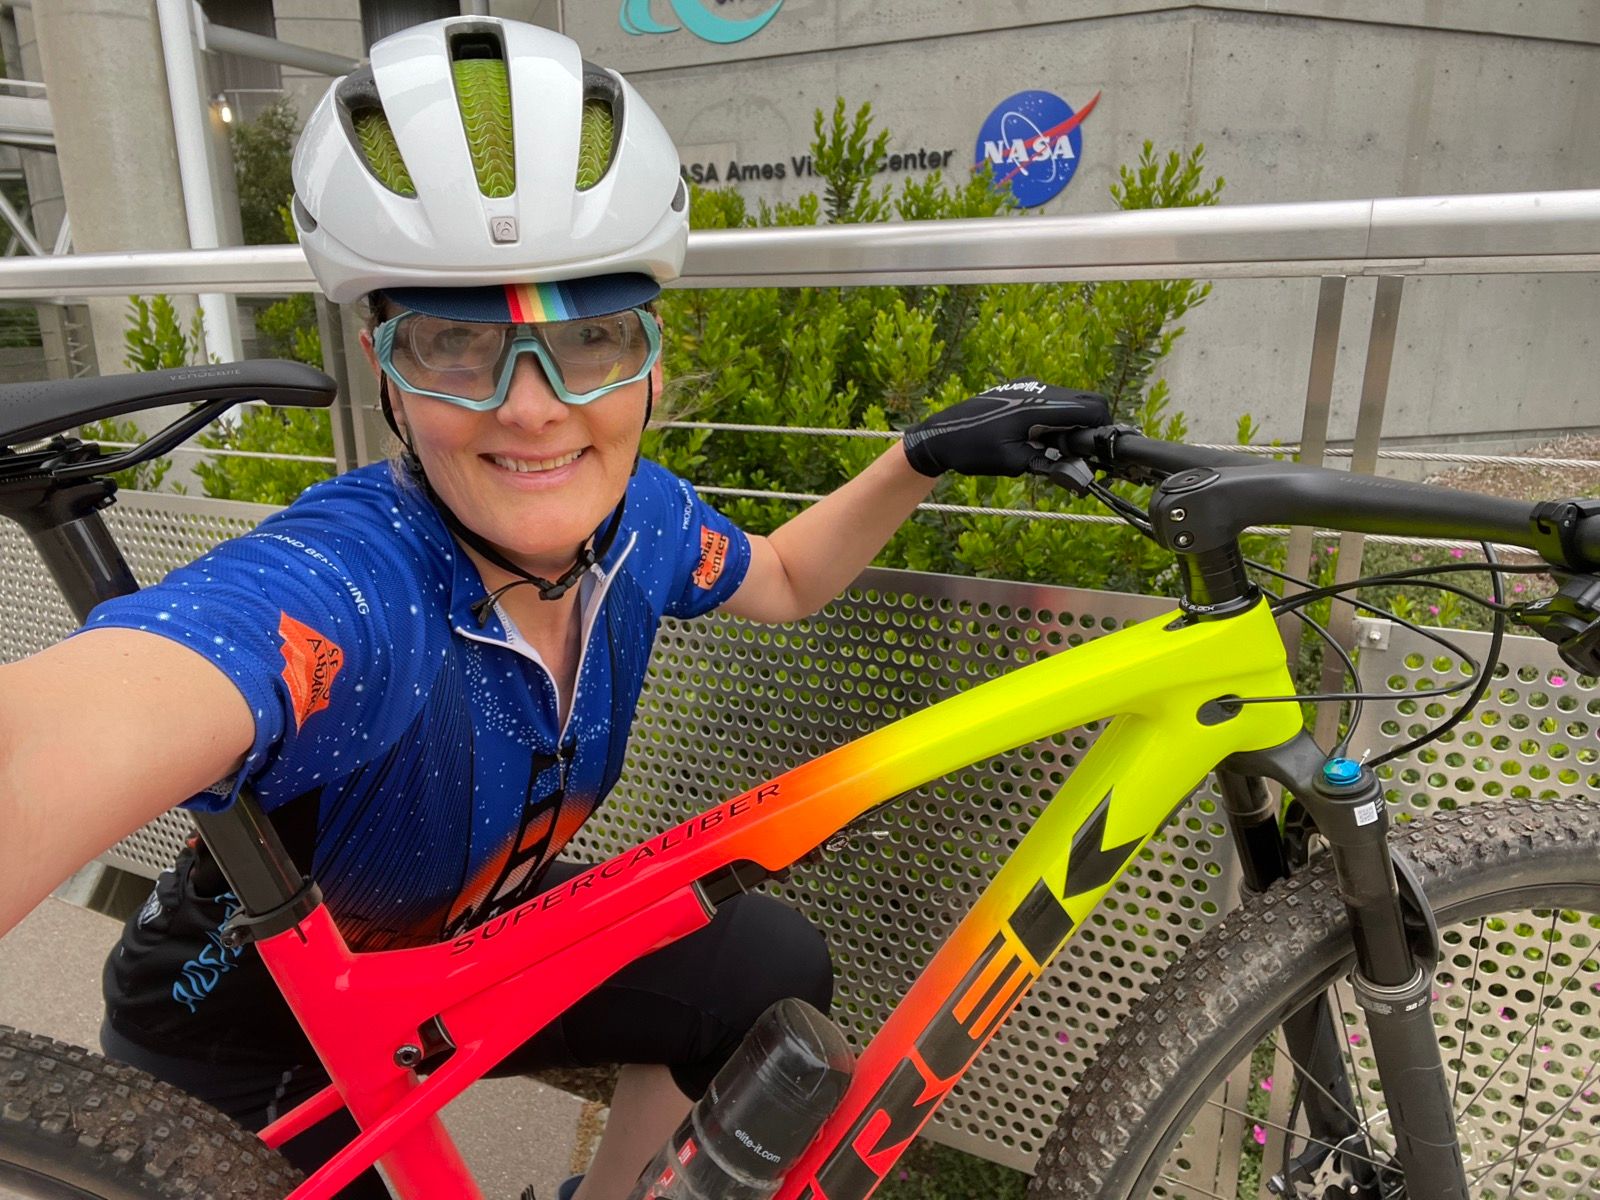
(73, 1125)
(1203, 1027)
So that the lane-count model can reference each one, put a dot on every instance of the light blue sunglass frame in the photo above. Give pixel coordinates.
(525, 341)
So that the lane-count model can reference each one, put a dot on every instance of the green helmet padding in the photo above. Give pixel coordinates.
(484, 94)
(383, 152)
(595, 143)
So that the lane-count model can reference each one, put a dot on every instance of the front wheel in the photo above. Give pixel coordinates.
(1194, 1096)
(74, 1126)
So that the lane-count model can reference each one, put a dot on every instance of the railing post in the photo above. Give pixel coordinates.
(1364, 458)
(1314, 432)
(330, 328)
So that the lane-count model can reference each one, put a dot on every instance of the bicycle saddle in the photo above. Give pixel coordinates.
(30, 411)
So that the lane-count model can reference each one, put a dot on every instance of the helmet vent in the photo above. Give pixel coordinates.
(303, 218)
(597, 135)
(483, 92)
(361, 109)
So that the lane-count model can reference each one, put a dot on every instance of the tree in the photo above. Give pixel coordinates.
(261, 156)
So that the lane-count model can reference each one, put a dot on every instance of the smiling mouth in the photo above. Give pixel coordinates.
(532, 466)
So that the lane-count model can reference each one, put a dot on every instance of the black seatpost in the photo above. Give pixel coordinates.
(63, 521)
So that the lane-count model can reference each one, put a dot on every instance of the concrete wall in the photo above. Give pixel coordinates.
(1314, 99)
(333, 26)
(101, 62)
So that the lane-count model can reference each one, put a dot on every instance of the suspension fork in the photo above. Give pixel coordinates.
(1396, 948)
(1311, 1034)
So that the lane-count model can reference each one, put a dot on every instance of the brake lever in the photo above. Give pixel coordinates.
(1071, 473)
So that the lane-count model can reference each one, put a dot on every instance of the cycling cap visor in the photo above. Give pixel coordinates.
(562, 300)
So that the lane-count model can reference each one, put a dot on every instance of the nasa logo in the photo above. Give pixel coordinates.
(1031, 143)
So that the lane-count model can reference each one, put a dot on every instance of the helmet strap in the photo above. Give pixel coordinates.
(593, 551)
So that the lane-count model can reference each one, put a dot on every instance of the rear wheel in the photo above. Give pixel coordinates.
(1194, 1095)
(73, 1125)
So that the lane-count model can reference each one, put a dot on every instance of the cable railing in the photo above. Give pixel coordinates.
(1393, 239)
(1265, 449)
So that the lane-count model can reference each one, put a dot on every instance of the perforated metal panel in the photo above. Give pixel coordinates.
(156, 534)
(1536, 732)
(728, 704)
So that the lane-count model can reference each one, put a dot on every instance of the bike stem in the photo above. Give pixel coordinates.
(1393, 978)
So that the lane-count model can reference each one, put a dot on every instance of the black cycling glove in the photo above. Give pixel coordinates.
(989, 434)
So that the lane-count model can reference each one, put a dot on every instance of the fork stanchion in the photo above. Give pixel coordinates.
(1393, 982)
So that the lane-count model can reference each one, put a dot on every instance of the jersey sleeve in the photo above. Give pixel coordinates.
(294, 614)
(707, 552)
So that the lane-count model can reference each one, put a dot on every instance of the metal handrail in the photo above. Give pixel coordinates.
(1512, 233)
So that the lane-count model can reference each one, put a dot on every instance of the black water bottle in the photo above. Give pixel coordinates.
(759, 1114)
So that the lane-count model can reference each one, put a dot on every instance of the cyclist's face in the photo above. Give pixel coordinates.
(534, 476)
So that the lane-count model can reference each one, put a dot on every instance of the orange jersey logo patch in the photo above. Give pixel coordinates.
(713, 557)
(310, 662)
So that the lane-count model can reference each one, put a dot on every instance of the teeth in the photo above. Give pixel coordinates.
(530, 465)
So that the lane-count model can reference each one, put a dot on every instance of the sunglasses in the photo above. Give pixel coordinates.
(470, 363)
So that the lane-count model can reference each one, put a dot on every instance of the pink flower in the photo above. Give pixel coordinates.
(1458, 552)
(1260, 1135)
(1266, 1084)
(1356, 1039)
(1517, 587)
(1062, 1037)
(1558, 681)
(1433, 610)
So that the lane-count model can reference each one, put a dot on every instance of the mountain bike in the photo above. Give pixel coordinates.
(1371, 1100)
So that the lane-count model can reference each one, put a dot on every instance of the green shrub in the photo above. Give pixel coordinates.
(262, 152)
(268, 431)
(147, 476)
(884, 357)
(156, 339)
(288, 329)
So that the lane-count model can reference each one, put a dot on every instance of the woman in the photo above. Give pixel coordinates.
(428, 669)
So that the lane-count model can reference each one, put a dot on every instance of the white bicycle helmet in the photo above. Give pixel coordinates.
(476, 151)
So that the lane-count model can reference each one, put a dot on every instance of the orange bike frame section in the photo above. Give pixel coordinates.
(495, 986)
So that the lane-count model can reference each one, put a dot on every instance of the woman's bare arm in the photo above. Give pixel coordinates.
(816, 554)
(98, 735)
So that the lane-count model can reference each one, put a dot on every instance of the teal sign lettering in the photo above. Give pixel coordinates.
(636, 19)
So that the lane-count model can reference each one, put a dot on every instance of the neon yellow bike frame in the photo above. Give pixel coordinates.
(1158, 682)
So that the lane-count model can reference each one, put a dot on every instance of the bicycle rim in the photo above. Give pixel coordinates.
(17, 1183)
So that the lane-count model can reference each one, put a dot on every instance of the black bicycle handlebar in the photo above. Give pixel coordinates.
(1206, 498)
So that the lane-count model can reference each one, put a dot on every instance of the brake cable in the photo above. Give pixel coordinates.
(1482, 673)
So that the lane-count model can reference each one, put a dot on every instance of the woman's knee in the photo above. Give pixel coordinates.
(779, 953)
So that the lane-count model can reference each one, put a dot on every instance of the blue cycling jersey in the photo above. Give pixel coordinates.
(428, 746)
